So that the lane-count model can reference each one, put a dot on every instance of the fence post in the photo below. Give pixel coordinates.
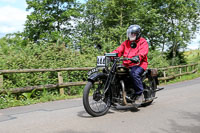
(60, 81)
(180, 70)
(196, 67)
(164, 73)
(1, 81)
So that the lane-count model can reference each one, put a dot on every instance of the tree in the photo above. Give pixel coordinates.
(118, 15)
(88, 31)
(49, 19)
(180, 22)
(166, 24)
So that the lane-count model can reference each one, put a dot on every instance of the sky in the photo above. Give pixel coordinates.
(13, 16)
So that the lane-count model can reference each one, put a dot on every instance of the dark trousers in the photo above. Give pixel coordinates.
(136, 73)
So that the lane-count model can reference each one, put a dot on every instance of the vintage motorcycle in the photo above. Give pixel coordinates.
(110, 84)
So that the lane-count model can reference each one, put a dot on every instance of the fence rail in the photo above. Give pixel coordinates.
(44, 70)
(189, 69)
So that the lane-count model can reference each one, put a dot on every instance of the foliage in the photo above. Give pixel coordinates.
(182, 21)
(43, 56)
(192, 56)
(157, 60)
(49, 19)
(167, 25)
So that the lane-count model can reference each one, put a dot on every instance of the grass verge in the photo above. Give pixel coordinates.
(8, 100)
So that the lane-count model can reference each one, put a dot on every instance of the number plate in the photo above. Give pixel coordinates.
(101, 61)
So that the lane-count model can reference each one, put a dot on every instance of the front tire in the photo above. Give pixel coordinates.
(94, 102)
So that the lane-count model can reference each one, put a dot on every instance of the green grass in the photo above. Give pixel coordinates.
(8, 100)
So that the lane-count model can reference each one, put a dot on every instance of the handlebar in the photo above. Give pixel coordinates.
(123, 59)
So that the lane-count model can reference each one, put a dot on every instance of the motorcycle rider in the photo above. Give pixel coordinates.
(135, 47)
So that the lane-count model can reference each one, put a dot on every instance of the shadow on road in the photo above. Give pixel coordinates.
(190, 128)
(125, 109)
(70, 131)
(84, 114)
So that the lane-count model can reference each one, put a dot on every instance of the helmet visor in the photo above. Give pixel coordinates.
(131, 36)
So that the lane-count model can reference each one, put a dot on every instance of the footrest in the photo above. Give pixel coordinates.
(158, 89)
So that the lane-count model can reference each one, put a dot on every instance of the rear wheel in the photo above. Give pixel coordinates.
(94, 100)
(151, 86)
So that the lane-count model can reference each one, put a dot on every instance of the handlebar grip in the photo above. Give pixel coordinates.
(125, 59)
(130, 60)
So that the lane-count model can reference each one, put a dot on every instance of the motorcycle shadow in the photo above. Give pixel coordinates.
(112, 110)
(120, 108)
(84, 114)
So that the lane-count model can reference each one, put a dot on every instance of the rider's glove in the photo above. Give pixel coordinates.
(135, 59)
(111, 59)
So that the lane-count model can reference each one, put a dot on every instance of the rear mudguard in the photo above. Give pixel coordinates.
(94, 76)
(148, 73)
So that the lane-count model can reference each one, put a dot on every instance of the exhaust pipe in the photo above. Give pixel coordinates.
(158, 89)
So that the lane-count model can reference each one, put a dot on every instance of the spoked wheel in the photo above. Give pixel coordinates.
(94, 100)
(151, 86)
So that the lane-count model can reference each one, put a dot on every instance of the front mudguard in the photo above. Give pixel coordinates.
(94, 76)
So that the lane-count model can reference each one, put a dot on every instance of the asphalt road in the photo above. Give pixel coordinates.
(176, 110)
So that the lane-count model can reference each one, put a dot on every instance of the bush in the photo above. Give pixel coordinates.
(35, 56)
(157, 59)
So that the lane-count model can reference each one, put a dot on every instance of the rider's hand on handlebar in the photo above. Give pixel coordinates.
(135, 59)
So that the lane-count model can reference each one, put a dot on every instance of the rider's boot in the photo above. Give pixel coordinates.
(138, 100)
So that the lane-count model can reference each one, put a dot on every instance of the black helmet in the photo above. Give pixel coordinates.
(134, 32)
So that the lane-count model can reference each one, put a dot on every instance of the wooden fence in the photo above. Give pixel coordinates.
(167, 73)
(177, 71)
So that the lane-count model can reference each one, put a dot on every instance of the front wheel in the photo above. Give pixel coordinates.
(94, 100)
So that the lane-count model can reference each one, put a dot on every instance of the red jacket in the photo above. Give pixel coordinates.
(141, 50)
